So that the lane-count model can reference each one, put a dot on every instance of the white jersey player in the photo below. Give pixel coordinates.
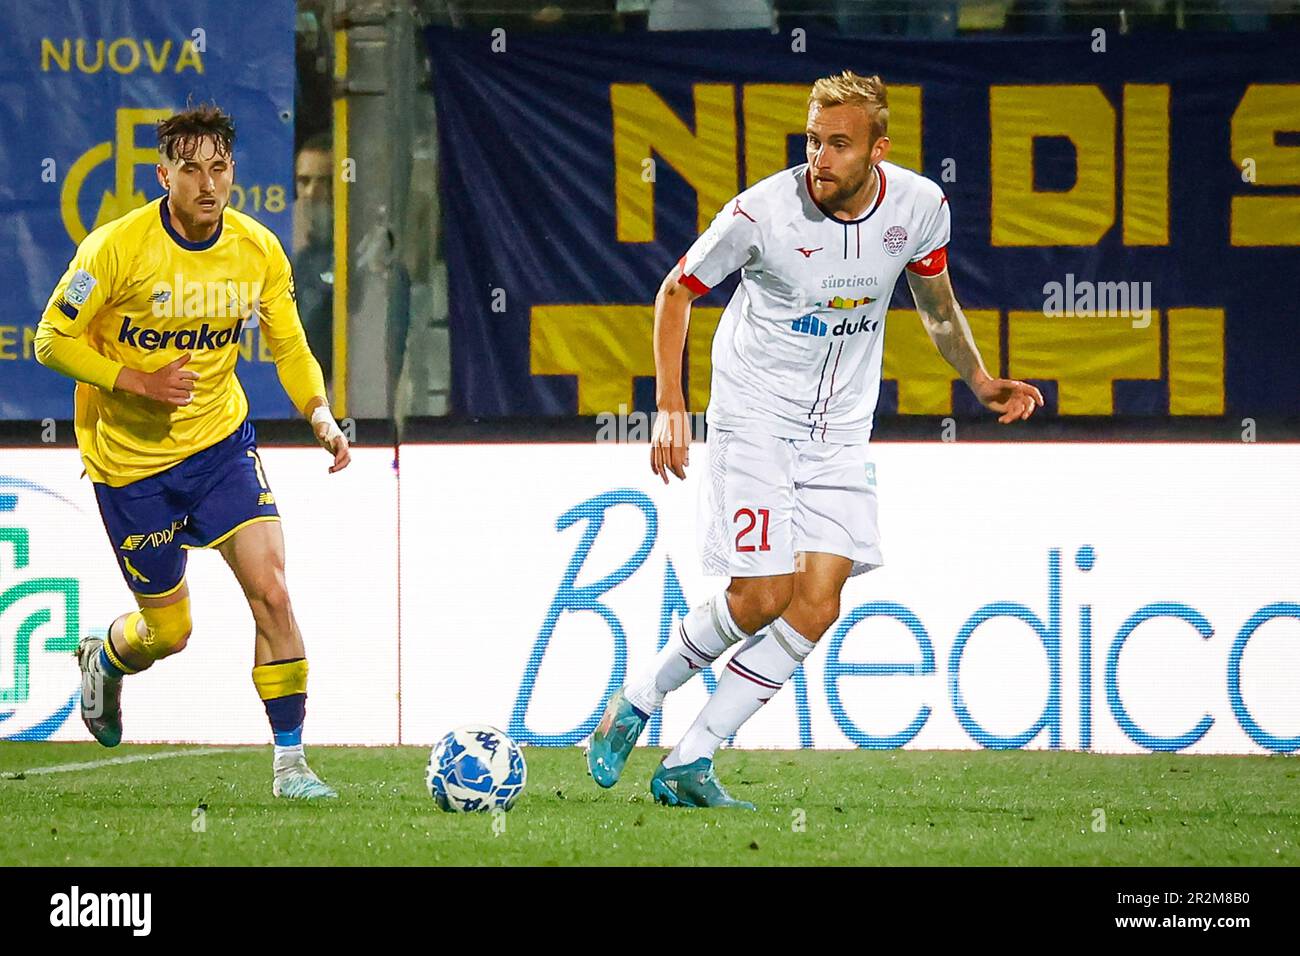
(788, 510)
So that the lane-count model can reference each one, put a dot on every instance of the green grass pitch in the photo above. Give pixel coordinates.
(815, 808)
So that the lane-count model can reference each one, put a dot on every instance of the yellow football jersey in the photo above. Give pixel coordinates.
(140, 294)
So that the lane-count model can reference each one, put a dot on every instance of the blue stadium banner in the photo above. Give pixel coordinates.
(1126, 219)
(81, 86)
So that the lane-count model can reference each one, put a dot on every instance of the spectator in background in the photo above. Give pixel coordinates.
(313, 247)
(313, 183)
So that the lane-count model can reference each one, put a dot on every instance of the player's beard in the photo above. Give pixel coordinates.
(847, 189)
(201, 218)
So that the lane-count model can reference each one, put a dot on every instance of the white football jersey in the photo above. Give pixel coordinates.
(799, 349)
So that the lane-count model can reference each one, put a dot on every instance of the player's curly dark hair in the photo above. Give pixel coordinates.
(179, 136)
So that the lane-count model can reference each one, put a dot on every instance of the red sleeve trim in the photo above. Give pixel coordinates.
(692, 283)
(932, 264)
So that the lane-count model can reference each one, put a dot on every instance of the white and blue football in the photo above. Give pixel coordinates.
(476, 768)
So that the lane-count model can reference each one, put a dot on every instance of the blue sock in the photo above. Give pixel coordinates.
(287, 715)
(110, 669)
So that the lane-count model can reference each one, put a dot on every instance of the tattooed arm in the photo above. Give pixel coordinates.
(951, 335)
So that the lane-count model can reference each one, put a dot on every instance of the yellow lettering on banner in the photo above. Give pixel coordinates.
(264, 348)
(61, 55)
(189, 57)
(1264, 111)
(1084, 355)
(1023, 216)
(29, 342)
(924, 377)
(246, 345)
(1146, 165)
(157, 63)
(85, 67)
(132, 47)
(605, 346)
(773, 113)
(8, 339)
(905, 126)
(123, 55)
(644, 125)
(699, 356)
(128, 155)
(1196, 362)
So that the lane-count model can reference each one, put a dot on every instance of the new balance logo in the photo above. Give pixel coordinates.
(808, 325)
(807, 253)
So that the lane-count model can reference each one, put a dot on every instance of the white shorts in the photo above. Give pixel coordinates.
(767, 498)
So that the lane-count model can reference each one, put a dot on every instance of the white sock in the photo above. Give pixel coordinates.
(752, 677)
(287, 757)
(700, 638)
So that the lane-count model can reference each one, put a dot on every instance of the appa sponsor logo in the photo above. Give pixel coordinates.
(77, 909)
(40, 611)
(152, 539)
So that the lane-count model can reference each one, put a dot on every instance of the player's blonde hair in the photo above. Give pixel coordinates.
(849, 88)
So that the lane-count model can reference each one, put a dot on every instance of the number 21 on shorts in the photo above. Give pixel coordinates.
(746, 520)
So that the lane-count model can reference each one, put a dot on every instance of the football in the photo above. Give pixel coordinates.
(476, 768)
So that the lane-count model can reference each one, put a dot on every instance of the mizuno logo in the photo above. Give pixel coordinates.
(808, 325)
(204, 337)
(737, 211)
(807, 253)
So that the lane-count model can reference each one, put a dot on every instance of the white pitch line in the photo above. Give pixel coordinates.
(114, 761)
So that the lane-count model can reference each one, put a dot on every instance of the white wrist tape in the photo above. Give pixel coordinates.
(322, 415)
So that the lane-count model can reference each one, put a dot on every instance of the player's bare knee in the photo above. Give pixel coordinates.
(270, 606)
(818, 617)
(755, 604)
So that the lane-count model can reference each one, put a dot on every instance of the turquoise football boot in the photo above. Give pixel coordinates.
(298, 782)
(613, 740)
(693, 785)
(101, 696)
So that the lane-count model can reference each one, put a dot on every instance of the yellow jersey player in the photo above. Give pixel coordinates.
(148, 320)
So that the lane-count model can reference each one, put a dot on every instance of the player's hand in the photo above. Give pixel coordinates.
(331, 438)
(173, 384)
(670, 445)
(1015, 400)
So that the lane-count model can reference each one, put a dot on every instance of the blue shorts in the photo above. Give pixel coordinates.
(198, 503)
